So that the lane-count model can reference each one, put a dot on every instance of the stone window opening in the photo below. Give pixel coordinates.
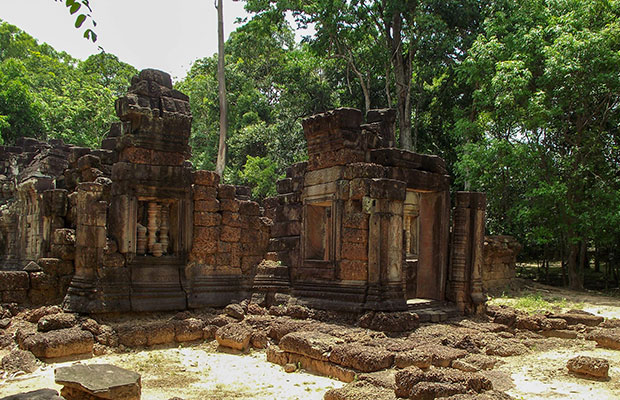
(318, 231)
(153, 229)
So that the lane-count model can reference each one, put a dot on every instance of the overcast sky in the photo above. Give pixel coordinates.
(163, 34)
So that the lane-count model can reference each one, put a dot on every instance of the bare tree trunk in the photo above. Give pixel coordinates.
(402, 78)
(575, 280)
(388, 95)
(221, 152)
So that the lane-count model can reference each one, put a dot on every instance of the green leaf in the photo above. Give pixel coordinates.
(74, 8)
(80, 20)
(89, 34)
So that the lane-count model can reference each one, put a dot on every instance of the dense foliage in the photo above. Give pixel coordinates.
(49, 94)
(521, 98)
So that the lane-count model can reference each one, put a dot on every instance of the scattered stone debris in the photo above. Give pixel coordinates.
(98, 381)
(607, 338)
(19, 360)
(589, 366)
(234, 336)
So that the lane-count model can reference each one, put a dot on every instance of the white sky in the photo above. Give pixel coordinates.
(164, 34)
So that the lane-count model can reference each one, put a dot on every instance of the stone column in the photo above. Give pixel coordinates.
(152, 225)
(465, 280)
(164, 228)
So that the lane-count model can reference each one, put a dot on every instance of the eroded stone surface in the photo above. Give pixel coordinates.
(104, 381)
(589, 366)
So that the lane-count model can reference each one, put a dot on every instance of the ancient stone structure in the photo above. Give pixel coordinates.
(499, 265)
(360, 226)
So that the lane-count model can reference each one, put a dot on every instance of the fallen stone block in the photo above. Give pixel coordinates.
(19, 360)
(434, 390)
(417, 358)
(361, 358)
(56, 321)
(60, 343)
(575, 317)
(360, 391)
(589, 366)
(235, 336)
(443, 355)
(313, 344)
(188, 330)
(607, 338)
(98, 381)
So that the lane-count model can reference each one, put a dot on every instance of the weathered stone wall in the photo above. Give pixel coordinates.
(339, 218)
(499, 261)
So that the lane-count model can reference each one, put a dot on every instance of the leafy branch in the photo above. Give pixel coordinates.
(74, 7)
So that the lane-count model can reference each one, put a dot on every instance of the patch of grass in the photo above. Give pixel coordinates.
(535, 302)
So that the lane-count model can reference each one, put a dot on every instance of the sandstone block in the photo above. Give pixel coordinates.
(575, 317)
(206, 178)
(204, 192)
(231, 205)
(56, 321)
(607, 338)
(361, 358)
(353, 270)
(313, 344)
(60, 343)
(589, 366)
(188, 330)
(207, 205)
(14, 280)
(98, 381)
(354, 251)
(159, 332)
(235, 336)
(247, 207)
(230, 234)
(226, 191)
(207, 218)
(360, 391)
(19, 360)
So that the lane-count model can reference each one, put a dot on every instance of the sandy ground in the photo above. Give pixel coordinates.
(195, 372)
(542, 374)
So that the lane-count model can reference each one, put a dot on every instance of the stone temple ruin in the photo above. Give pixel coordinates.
(133, 227)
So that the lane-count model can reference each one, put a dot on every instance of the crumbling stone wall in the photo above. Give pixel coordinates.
(499, 261)
(339, 218)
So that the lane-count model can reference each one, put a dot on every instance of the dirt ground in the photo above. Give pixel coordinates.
(542, 374)
(200, 371)
(195, 372)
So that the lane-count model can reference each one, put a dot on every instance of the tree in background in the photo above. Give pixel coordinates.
(49, 94)
(272, 83)
(546, 115)
(221, 84)
(394, 42)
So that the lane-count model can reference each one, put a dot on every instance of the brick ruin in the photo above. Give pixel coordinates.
(133, 227)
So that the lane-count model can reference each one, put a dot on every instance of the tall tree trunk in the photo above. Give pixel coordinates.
(221, 80)
(388, 95)
(575, 279)
(402, 78)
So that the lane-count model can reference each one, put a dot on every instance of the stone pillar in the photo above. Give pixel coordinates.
(465, 278)
(164, 228)
(152, 225)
